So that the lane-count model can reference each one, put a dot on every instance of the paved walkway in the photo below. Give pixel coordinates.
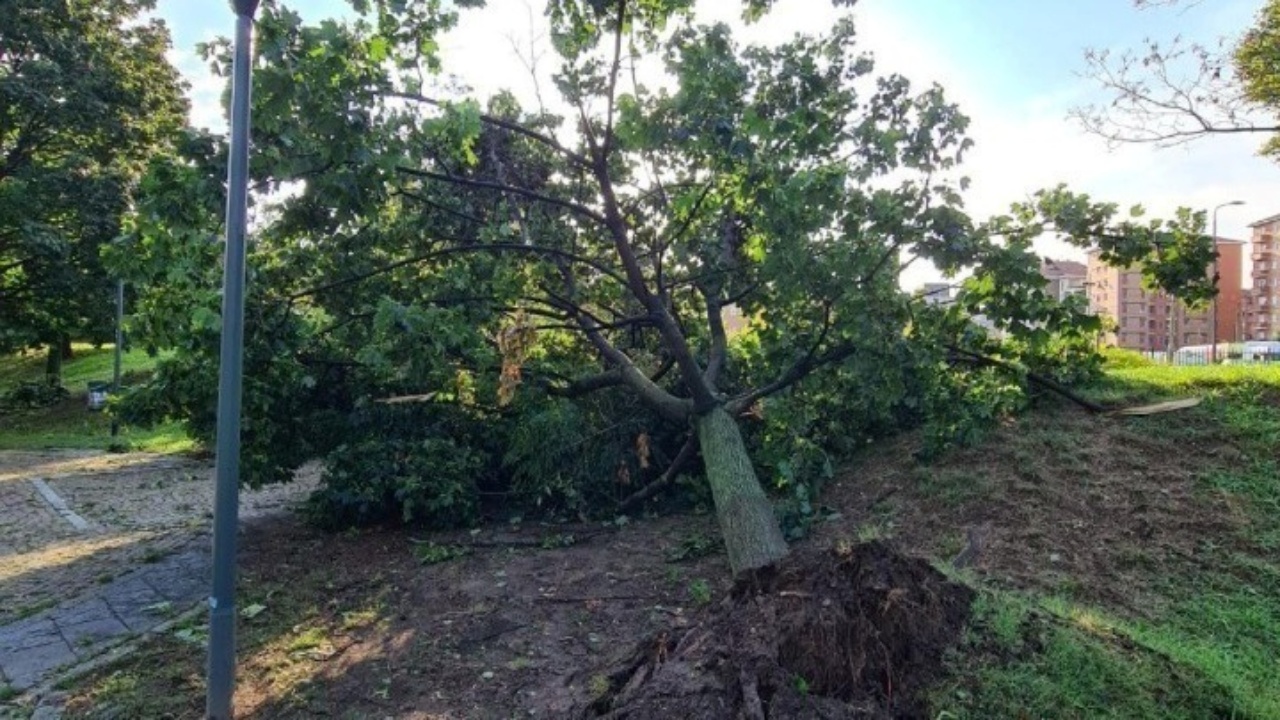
(35, 648)
(96, 549)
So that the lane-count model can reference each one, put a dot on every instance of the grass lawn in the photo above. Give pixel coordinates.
(68, 423)
(1193, 629)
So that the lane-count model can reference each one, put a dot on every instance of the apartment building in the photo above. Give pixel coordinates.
(1260, 315)
(1064, 277)
(1152, 321)
(937, 293)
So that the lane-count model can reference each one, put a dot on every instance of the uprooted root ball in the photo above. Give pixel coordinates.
(841, 634)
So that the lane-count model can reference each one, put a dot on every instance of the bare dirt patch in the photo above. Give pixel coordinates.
(545, 621)
(354, 624)
(1059, 501)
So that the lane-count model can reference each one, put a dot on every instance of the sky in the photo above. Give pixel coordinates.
(1014, 67)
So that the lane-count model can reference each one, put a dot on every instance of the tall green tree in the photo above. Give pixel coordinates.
(86, 97)
(436, 247)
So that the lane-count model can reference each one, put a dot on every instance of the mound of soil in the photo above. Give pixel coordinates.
(839, 634)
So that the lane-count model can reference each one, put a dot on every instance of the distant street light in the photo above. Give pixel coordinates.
(1213, 346)
(115, 376)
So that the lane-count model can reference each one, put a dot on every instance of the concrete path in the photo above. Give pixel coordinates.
(96, 549)
(34, 649)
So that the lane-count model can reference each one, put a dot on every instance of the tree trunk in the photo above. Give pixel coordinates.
(67, 351)
(751, 533)
(53, 364)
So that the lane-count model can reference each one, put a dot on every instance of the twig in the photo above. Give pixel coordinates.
(590, 598)
(687, 451)
(507, 125)
(400, 399)
(458, 250)
(884, 495)
(582, 210)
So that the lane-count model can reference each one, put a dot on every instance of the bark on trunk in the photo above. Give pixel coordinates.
(751, 533)
(53, 365)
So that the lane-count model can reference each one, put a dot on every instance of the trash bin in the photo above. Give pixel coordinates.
(98, 395)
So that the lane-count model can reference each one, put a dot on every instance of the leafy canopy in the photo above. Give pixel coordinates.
(87, 96)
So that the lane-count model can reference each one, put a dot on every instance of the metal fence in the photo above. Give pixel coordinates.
(1228, 354)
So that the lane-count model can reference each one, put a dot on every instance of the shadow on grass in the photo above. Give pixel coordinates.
(1218, 616)
(1024, 657)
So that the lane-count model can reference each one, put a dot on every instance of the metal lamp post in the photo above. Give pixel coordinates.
(1213, 321)
(115, 374)
(222, 616)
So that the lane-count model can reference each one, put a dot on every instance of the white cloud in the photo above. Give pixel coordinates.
(204, 91)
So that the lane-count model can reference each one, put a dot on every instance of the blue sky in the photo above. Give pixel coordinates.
(1013, 65)
(1017, 48)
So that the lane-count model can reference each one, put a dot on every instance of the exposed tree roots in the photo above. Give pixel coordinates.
(841, 634)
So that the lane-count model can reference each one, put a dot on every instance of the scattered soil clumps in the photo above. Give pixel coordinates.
(851, 633)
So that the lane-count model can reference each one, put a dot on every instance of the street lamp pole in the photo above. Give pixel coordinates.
(222, 615)
(115, 374)
(1213, 321)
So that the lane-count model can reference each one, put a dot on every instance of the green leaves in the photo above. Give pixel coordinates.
(1173, 254)
(410, 237)
(86, 97)
(1256, 60)
(379, 49)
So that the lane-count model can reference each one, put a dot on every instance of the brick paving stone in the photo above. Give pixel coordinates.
(182, 580)
(86, 610)
(26, 633)
(135, 603)
(33, 663)
(83, 637)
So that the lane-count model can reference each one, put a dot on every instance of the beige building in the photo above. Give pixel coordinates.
(1147, 321)
(1064, 277)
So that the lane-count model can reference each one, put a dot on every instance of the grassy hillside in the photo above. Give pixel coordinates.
(88, 364)
(68, 424)
(1129, 566)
